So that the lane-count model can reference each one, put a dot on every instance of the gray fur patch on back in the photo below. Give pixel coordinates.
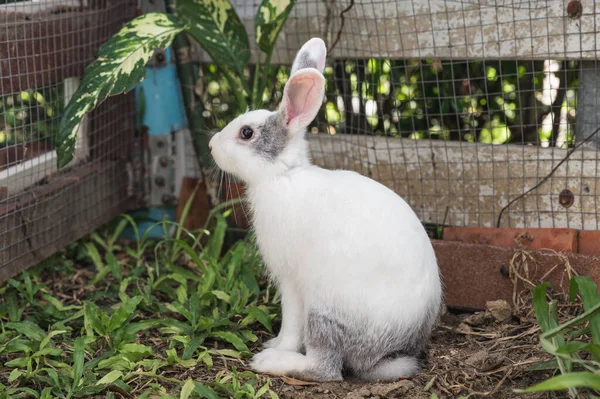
(272, 139)
(357, 351)
(303, 61)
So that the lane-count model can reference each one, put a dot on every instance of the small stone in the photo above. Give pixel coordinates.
(364, 392)
(476, 319)
(483, 361)
(476, 359)
(500, 310)
(462, 327)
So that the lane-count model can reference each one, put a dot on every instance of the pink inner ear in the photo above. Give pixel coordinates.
(299, 97)
(302, 97)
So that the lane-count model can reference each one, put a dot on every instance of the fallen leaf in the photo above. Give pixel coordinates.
(293, 381)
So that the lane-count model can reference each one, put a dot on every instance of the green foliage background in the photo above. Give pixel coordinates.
(493, 102)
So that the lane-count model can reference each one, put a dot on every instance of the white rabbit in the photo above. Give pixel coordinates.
(358, 276)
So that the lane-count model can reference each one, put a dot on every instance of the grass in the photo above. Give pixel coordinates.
(575, 344)
(139, 320)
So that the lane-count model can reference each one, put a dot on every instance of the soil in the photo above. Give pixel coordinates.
(487, 359)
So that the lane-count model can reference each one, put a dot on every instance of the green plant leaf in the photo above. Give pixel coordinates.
(548, 365)
(261, 316)
(232, 338)
(589, 293)
(14, 375)
(541, 308)
(222, 295)
(205, 392)
(187, 389)
(46, 393)
(118, 68)
(270, 18)
(92, 319)
(125, 312)
(215, 241)
(78, 360)
(115, 266)
(215, 25)
(138, 350)
(566, 381)
(110, 377)
(191, 347)
(28, 329)
(14, 310)
(262, 390)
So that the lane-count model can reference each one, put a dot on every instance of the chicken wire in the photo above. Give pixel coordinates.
(44, 48)
(477, 112)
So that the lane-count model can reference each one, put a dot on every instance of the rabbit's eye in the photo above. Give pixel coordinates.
(246, 133)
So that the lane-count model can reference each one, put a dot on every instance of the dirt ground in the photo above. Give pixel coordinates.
(471, 354)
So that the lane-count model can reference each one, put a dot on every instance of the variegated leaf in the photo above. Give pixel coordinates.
(215, 25)
(269, 20)
(118, 68)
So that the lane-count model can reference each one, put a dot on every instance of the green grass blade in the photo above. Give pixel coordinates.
(115, 266)
(187, 389)
(124, 313)
(232, 338)
(93, 319)
(542, 309)
(261, 316)
(215, 242)
(585, 316)
(205, 392)
(589, 293)
(185, 212)
(78, 360)
(566, 381)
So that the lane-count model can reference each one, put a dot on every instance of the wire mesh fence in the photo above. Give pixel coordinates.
(479, 113)
(44, 47)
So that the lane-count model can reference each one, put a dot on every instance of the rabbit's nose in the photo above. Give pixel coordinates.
(210, 146)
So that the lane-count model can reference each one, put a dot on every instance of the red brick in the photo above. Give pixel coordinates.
(473, 274)
(562, 240)
(589, 242)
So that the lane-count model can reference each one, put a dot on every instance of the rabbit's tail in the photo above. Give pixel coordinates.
(392, 369)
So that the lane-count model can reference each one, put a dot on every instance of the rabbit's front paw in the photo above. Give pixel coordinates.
(277, 362)
(267, 361)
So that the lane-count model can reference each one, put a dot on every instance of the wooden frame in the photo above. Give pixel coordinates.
(31, 7)
(18, 177)
(50, 216)
(468, 184)
(417, 29)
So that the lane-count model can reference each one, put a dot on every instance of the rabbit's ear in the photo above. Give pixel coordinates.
(311, 55)
(302, 98)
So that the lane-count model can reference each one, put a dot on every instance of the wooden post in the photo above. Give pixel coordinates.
(588, 104)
